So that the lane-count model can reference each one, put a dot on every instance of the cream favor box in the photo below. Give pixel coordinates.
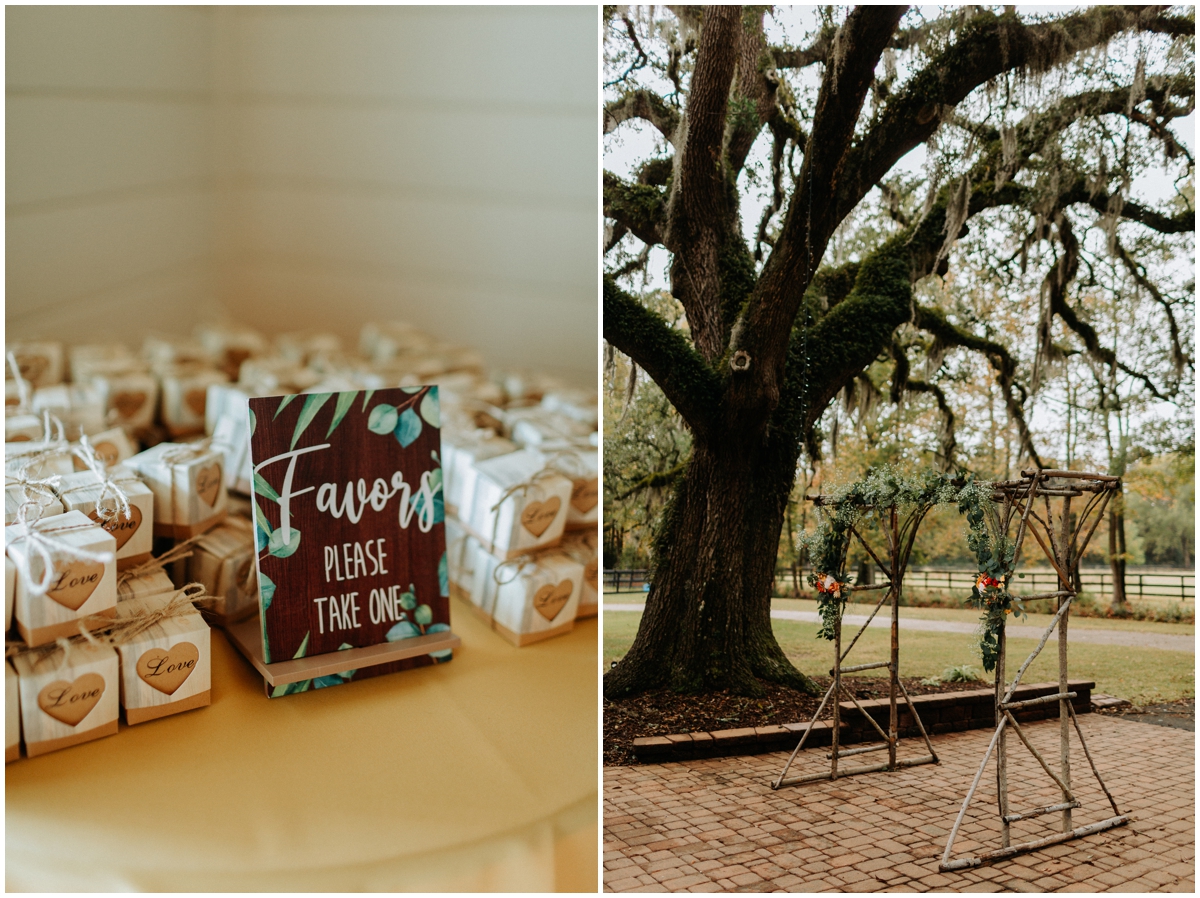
(519, 504)
(184, 398)
(110, 446)
(82, 583)
(581, 465)
(130, 396)
(79, 406)
(227, 421)
(134, 585)
(38, 459)
(12, 715)
(166, 659)
(460, 452)
(134, 530)
(223, 561)
(188, 485)
(581, 545)
(40, 363)
(536, 598)
(40, 498)
(10, 589)
(23, 428)
(67, 697)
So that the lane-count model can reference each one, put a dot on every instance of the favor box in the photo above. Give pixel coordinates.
(534, 426)
(23, 428)
(184, 397)
(460, 452)
(40, 363)
(80, 407)
(134, 534)
(38, 459)
(582, 467)
(15, 495)
(79, 588)
(519, 505)
(223, 560)
(10, 588)
(230, 345)
(581, 545)
(188, 485)
(12, 715)
(111, 446)
(302, 347)
(130, 397)
(87, 358)
(144, 585)
(227, 421)
(67, 699)
(162, 353)
(534, 599)
(167, 668)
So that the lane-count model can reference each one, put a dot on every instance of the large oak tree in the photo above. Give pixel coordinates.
(773, 330)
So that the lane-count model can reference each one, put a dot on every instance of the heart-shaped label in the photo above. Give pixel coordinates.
(19, 438)
(537, 516)
(128, 403)
(106, 453)
(76, 583)
(208, 484)
(549, 600)
(195, 400)
(585, 494)
(69, 703)
(32, 367)
(166, 670)
(589, 572)
(118, 525)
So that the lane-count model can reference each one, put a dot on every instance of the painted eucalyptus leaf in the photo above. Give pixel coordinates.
(367, 398)
(279, 548)
(303, 650)
(441, 654)
(408, 428)
(344, 401)
(253, 421)
(382, 419)
(264, 489)
(430, 410)
(284, 403)
(266, 591)
(312, 405)
(402, 630)
(408, 601)
(423, 615)
(443, 577)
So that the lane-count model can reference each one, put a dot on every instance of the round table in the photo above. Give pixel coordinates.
(479, 774)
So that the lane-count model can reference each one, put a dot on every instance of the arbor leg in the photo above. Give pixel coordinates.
(1001, 746)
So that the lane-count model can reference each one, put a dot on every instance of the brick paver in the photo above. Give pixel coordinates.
(715, 824)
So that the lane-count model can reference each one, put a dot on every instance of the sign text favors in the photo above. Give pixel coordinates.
(348, 517)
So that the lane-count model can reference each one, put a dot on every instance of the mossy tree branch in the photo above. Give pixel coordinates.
(639, 208)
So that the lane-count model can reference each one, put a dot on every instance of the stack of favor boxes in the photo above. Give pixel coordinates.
(128, 477)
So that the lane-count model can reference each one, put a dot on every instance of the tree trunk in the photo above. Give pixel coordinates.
(1116, 554)
(707, 623)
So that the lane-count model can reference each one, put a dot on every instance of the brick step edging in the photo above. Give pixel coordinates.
(945, 712)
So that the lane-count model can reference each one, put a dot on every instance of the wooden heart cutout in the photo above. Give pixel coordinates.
(549, 600)
(537, 516)
(108, 453)
(166, 670)
(69, 703)
(76, 583)
(589, 572)
(118, 525)
(208, 484)
(32, 367)
(585, 494)
(127, 404)
(195, 400)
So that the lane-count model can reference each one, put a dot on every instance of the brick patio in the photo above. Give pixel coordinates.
(715, 825)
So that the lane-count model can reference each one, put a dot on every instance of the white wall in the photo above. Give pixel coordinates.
(309, 167)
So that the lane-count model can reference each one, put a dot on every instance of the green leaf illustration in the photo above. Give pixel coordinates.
(262, 529)
(423, 615)
(367, 398)
(263, 488)
(382, 419)
(303, 650)
(253, 421)
(443, 577)
(408, 601)
(284, 403)
(312, 405)
(441, 654)
(411, 390)
(279, 548)
(430, 409)
(402, 630)
(266, 591)
(408, 428)
(344, 401)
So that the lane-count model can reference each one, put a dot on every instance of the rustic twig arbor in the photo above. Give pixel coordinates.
(1017, 500)
(900, 527)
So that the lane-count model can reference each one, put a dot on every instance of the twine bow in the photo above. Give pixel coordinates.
(44, 546)
(129, 627)
(36, 492)
(109, 487)
(523, 487)
(53, 447)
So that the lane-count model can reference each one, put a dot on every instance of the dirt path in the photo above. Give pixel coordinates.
(1133, 639)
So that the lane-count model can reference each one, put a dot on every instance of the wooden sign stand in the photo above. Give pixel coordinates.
(247, 639)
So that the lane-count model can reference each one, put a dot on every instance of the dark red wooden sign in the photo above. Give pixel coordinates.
(348, 521)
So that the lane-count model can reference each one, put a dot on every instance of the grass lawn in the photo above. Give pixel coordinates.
(1140, 675)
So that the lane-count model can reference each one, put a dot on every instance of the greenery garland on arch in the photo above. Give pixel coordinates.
(883, 487)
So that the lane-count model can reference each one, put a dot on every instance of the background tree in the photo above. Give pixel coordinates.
(1039, 127)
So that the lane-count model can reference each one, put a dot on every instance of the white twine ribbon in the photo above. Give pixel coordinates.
(37, 493)
(23, 393)
(54, 447)
(109, 487)
(42, 544)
